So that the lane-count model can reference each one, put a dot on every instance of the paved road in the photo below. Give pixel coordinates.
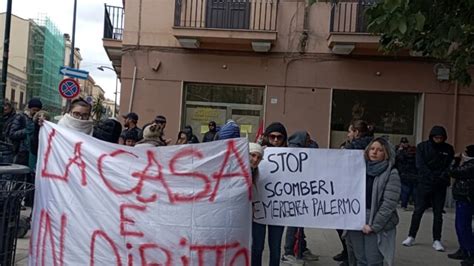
(326, 244)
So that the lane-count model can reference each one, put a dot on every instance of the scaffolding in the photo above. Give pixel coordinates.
(45, 56)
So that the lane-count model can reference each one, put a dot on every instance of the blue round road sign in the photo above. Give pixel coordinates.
(69, 88)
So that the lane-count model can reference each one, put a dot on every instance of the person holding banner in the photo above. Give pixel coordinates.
(78, 117)
(295, 244)
(274, 136)
(375, 243)
(358, 137)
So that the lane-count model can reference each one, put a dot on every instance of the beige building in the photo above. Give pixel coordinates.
(110, 106)
(310, 67)
(17, 61)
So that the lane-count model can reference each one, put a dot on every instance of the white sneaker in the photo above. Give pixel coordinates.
(308, 256)
(291, 260)
(409, 242)
(438, 246)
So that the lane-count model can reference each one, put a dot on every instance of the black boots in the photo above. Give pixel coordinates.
(469, 260)
(458, 255)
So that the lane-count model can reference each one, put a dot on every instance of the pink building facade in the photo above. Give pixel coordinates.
(311, 67)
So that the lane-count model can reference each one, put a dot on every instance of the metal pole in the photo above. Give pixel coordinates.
(116, 91)
(73, 39)
(6, 50)
(73, 42)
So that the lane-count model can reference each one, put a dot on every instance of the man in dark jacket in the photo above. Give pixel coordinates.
(406, 165)
(17, 131)
(211, 134)
(433, 158)
(130, 124)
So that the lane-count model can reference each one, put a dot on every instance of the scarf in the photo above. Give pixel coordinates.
(84, 126)
(375, 168)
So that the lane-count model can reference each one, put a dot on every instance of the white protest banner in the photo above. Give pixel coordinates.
(317, 188)
(98, 203)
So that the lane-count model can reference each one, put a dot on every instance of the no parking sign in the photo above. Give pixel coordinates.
(69, 88)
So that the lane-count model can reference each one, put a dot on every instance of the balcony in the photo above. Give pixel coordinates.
(113, 33)
(245, 23)
(348, 27)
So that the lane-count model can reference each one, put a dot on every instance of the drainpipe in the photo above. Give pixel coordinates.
(133, 88)
(304, 36)
(455, 112)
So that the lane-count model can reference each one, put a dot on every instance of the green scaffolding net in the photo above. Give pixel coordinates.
(45, 56)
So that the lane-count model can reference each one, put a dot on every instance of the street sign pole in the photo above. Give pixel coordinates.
(73, 40)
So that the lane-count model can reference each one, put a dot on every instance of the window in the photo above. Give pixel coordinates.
(12, 96)
(392, 113)
(211, 102)
(21, 103)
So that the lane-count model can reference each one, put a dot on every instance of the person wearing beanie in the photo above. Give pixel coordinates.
(17, 131)
(274, 136)
(295, 249)
(229, 131)
(258, 242)
(35, 105)
(433, 158)
(211, 134)
(462, 170)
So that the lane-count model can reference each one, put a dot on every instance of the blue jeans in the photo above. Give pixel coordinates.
(464, 212)
(408, 189)
(275, 233)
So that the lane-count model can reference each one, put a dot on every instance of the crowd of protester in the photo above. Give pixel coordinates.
(394, 174)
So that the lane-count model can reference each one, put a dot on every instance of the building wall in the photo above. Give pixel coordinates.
(17, 61)
(299, 88)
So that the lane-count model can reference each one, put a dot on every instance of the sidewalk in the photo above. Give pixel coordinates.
(326, 243)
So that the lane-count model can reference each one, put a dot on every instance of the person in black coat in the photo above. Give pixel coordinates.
(189, 133)
(17, 131)
(108, 130)
(358, 138)
(406, 165)
(433, 158)
(211, 134)
(462, 170)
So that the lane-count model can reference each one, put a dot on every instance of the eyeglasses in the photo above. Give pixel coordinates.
(275, 136)
(81, 116)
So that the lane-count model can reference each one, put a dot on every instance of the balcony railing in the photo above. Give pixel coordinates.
(349, 16)
(113, 22)
(255, 15)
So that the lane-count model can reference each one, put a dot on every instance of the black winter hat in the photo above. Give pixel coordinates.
(276, 127)
(35, 102)
(470, 150)
(438, 131)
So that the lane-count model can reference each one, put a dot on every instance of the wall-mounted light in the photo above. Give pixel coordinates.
(189, 43)
(343, 49)
(261, 47)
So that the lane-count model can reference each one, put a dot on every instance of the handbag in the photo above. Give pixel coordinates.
(462, 190)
